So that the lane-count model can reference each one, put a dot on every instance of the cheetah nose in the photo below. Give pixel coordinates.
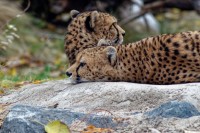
(123, 34)
(68, 74)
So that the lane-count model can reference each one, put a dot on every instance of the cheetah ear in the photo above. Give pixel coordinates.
(91, 20)
(111, 54)
(74, 13)
(94, 17)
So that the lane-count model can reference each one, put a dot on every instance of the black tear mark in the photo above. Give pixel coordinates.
(109, 58)
(87, 24)
(77, 70)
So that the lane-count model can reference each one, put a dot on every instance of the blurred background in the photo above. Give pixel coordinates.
(32, 31)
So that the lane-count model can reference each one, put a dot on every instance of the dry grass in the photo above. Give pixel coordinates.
(8, 11)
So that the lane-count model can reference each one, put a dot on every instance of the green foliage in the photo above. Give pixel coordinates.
(36, 55)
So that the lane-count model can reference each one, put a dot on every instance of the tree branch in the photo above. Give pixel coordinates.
(145, 9)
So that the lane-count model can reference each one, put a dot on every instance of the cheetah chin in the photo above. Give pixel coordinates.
(77, 80)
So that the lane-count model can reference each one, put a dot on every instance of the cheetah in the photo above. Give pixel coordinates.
(90, 29)
(163, 59)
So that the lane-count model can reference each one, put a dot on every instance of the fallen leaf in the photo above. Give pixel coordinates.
(22, 83)
(36, 82)
(93, 129)
(13, 72)
(57, 61)
(1, 91)
(56, 127)
(6, 83)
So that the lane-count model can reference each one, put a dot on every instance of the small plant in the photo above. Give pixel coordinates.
(8, 12)
(8, 36)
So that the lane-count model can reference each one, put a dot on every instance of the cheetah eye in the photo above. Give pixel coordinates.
(82, 64)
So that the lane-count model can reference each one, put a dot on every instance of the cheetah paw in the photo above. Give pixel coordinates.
(103, 42)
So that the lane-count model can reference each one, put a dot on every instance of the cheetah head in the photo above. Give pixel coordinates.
(96, 26)
(94, 64)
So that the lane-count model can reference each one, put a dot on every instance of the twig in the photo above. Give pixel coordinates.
(27, 7)
(145, 9)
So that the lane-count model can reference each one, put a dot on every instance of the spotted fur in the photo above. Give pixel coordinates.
(164, 59)
(87, 29)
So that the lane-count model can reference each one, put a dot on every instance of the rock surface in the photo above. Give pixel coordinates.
(27, 119)
(130, 107)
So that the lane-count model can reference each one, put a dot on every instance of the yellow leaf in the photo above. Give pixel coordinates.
(22, 83)
(160, 17)
(37, 82)
(1, 91)
(197, 23)
(57, 61)
(13, 72)
(176, 10)
(56, 127)
(93, 129)
(6, 83)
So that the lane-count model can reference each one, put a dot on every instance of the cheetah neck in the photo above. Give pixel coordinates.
(132, 62)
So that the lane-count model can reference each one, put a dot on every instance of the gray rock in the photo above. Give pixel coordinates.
(26, 119)
(120, 102)
(174, 109)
